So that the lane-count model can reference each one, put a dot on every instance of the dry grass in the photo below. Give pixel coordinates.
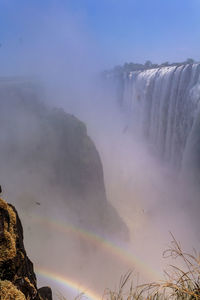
(9, 292)
(180, 283)
(7, 242)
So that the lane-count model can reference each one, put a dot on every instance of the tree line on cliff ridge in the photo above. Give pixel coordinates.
(131, 67)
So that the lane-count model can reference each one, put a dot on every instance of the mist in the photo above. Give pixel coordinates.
(55, 51)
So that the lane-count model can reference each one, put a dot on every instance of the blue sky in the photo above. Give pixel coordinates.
(116, 30)
(145, 29)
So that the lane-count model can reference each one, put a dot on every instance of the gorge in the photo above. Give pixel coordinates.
(146, 137)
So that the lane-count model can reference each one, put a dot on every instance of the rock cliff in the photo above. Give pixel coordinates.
(17, 277)
(47, 154)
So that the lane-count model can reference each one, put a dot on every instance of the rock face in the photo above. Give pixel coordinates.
(48, 153)
(17, 277)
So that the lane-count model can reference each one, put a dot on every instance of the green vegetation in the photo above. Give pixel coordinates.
(131, 67)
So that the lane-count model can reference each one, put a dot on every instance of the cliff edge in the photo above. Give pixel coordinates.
(17, 277)
(47, 158)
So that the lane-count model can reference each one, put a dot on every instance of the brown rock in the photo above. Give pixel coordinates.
(17, 277)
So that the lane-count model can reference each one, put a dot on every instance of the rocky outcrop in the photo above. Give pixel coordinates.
(17, 277)
(48, 153)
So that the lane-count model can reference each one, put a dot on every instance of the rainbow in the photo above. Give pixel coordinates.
(72, 285)
(119, 251)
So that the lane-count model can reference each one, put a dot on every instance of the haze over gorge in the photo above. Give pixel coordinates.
(99, 146)
(106, 205)
(160, 108)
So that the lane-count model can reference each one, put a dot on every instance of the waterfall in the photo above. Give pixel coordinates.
(162, 104)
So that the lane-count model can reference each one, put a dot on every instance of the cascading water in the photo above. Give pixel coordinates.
(163, 105)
